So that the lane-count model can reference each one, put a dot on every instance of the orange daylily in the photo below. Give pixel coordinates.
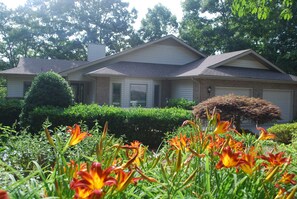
(179, 142)
(3, 194)
(222, 126)
(76, 135)
(229, 159)
(287, 178)
(234, 144)
(275, 159)
(249, 161)
(74, 168)
(124, 179)
(137, 154)
(264, 135)
(90, 185)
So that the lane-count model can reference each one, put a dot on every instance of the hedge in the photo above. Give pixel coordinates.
(10, 109)
(284, 132)
(147, 125)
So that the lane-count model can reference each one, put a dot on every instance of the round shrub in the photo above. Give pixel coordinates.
(284, 132)
(239, 107)
(47, 89)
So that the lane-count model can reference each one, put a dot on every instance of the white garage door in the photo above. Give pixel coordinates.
(283, 99)
(232, 90)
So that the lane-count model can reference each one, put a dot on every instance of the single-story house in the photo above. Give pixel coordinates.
(154, 72)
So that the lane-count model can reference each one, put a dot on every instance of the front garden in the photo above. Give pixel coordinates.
(90, 151)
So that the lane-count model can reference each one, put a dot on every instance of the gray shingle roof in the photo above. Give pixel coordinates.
(33, 66)
(209, 66)
(136, 69)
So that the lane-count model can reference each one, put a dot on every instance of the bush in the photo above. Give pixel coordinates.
(239, 107)
(284, 132)
(47, 89)
(10, 110)
(146, 125)
(181, 103)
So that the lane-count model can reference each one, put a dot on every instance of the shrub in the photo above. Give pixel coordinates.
(239, 107)
(284, 132)
(10, 110)
(146, 125)
(47, 89)
(181, 103)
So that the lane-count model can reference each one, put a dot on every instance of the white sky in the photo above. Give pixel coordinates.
(140, 5)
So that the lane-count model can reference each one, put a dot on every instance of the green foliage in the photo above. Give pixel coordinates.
(158, 22)
(284, 132)
(3, 88)
(10, 110)
(181, 103)
(145, 125)
(263, 8)
(47, 89)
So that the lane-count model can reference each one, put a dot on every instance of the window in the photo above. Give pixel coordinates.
(116, 94)
(78, 92)
(27, 86)
(138, 93)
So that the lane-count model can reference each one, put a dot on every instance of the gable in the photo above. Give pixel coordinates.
(162, 53)
(246, 62)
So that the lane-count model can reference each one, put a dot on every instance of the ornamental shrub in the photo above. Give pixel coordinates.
(147, 125)
(181, 103)
(239, 108)
(284, 132)
(47, 89)
(10, 110)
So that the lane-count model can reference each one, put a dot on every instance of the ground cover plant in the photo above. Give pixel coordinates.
(211, 162)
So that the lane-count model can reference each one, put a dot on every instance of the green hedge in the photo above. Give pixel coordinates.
(181, 103)
(10, 110)
(145, 125)
(284, 132)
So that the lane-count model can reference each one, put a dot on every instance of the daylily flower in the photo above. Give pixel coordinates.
(264, 135)
(124, 179)
(249, 161)
(222, 126)
(74, 168)
(3, 194)
(229, 159)
(135, 152)
(90, 185)
(234, 144)
(287, 178)
(179, 142)
(275, 160)
(76, 135)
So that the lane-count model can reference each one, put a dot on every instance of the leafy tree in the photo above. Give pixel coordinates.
(157, 23)
(239, 107)
(47, 89)
(262, 8)
(273, 38)
(62, 29)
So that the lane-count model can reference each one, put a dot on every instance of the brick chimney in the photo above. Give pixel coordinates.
(96, 51)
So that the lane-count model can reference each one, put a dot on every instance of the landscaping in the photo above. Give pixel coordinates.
(78, 162)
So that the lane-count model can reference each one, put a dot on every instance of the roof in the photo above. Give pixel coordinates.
(33, 66)
(128, 51)
(212, 66)
(135, 69)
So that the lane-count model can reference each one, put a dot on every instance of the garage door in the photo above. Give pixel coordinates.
(283, 99)
(232, 90)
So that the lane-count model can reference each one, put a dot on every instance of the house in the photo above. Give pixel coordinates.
(152, 73)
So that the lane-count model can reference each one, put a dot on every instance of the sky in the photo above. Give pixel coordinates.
(140, 5)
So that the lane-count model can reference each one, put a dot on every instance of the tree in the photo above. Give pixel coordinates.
(262, 8)
(239, 108)
(273, 38)
(63, 29)
(157, 23)
(47, 89)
